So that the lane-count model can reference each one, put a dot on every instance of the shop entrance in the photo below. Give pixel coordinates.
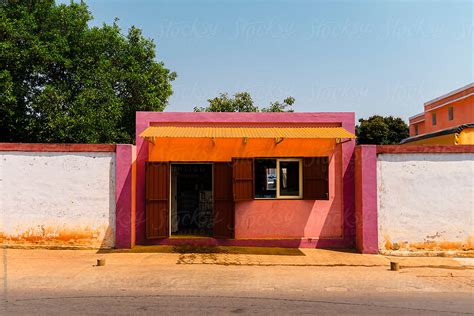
(191, 199)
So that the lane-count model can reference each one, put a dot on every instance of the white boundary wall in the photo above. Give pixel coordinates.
(63, 199)
(425, 201)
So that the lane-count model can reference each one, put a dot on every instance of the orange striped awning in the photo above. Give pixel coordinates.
(245, 132)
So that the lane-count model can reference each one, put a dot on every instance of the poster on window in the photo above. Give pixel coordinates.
(271, 178)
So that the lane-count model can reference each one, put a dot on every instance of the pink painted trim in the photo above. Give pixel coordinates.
(283, 243)
(366, 199)
(29, 147)
(414, 149)
(344, 119)
(243, 117)
(123, 196)
(246, 124)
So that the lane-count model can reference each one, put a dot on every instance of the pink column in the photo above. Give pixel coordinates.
(124, 196)
(348, 122)
(366, 198)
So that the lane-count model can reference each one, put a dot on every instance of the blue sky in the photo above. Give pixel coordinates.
(371, 57)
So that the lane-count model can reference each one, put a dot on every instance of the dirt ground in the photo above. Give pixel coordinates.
(229, 281)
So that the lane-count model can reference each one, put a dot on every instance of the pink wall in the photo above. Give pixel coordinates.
(295, 218)
(313, 225)
(124, 196)
(366, 198)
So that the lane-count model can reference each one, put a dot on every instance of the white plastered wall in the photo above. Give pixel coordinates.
(59, 199)
(425, 201)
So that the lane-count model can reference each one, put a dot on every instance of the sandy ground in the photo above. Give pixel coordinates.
(232, 281)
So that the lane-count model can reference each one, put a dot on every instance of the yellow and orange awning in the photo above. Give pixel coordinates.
(245, 132)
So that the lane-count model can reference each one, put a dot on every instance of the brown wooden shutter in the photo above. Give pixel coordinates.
(223, 200)
(157, 200)
(243, 178)
(315, 178)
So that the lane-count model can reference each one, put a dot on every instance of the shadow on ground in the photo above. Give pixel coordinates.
(209, 250)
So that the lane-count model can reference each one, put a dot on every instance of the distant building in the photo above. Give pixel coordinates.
(446, 120)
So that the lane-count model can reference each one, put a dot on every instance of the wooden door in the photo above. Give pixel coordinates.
(243, 178)
(157, 200)
(223, 200)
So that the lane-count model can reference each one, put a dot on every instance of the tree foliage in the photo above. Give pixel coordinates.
(277, 106)
(63, 81)
(243, 102)
(381, 130)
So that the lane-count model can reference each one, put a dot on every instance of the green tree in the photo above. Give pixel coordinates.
(243, 102)
(63, 81)
(280, 107)
(381, 130)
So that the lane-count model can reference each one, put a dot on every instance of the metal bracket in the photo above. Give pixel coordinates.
(151, 140)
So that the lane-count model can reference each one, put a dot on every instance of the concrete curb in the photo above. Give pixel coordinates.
(453, 267)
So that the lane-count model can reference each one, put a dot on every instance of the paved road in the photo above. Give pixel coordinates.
(243, 303)
(68, 283)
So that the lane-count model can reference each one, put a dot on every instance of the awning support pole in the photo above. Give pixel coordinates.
(342, 142)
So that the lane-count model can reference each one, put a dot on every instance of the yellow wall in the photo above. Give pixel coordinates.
(466, 137)
(223, 149)
(449, 139)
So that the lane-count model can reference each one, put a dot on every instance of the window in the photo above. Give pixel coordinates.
(278, 178)
(265, 178)
(450, 113)
(289, 178)
(416, 130)
(433, 119)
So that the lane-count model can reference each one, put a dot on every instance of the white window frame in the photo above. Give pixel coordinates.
(278, 195)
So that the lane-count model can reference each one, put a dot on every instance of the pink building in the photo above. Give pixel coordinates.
(268, 179)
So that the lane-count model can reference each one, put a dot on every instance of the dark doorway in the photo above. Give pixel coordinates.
(191, 199)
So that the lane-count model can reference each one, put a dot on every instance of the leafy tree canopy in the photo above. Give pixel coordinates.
(381, 130)
(63, 81)
(242, 102)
